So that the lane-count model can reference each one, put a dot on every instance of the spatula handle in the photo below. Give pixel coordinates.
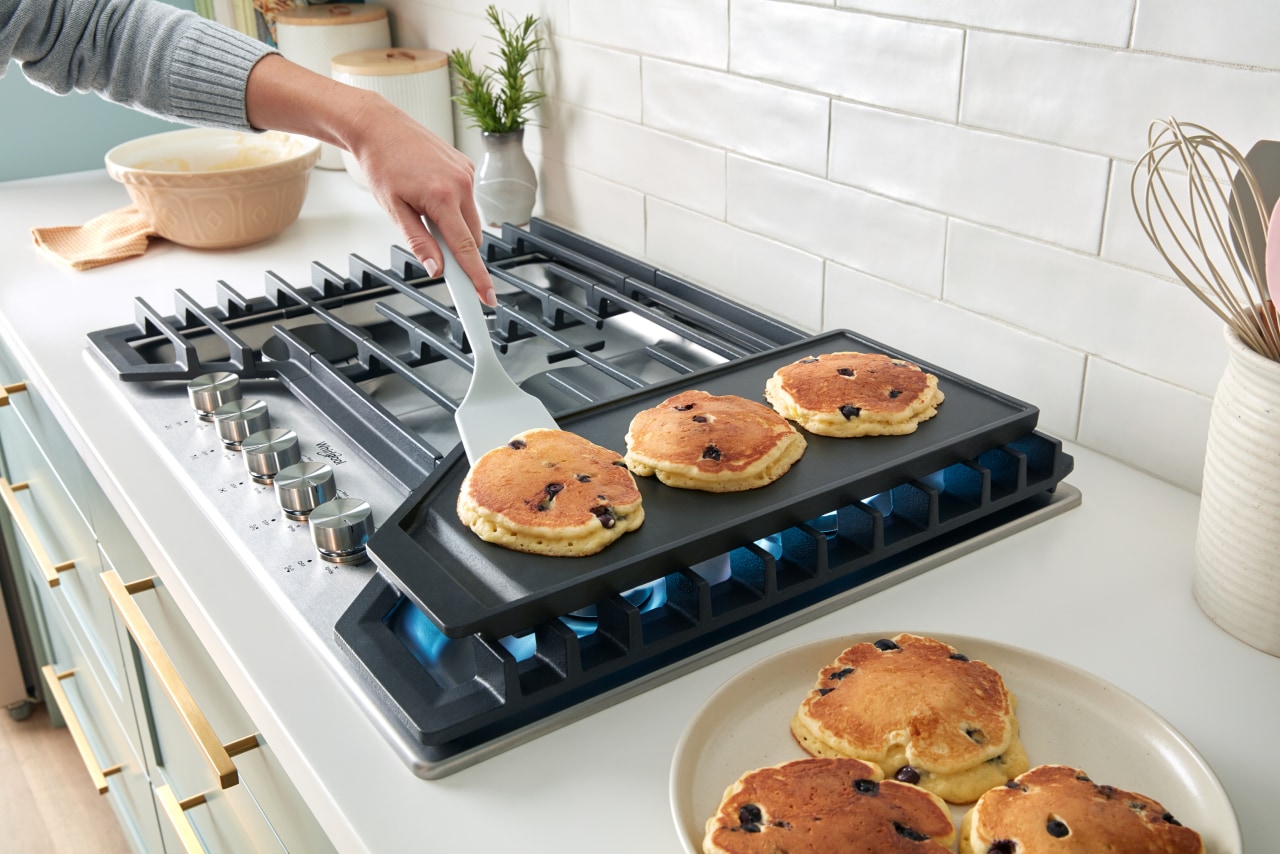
(465, 301)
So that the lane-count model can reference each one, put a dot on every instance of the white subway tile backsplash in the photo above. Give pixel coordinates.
(1102, 100)
(551, 10)
(600, 79)
(605, 211)
(1240, 32)
(415, 25)
(687, 173)
(1092, 21)
(693, 31)
(1125, 242)
(950, 178)
(760, 272)
(1036, 189)
(889, 239)
(1045, 374)
(1150, 424)
(1123, 315)
(758, 119)
(907, 66)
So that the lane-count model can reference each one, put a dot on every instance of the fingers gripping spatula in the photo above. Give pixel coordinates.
(494, 408)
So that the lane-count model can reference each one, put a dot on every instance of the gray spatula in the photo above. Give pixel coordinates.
(494, 408)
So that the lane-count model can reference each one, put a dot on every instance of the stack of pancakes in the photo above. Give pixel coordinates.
(902, 726)
(921, 711)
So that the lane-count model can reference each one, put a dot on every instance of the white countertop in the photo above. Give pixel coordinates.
(1105, 587)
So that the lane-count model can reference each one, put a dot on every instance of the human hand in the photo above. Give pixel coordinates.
(414, 174)
(410, 171)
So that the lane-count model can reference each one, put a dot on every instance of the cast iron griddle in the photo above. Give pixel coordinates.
(466, 585)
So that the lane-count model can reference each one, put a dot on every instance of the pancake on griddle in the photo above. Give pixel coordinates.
(827, 806)
(723, 443)
(854, 394)
(550, 492)
(1054, 809)
(921, 711)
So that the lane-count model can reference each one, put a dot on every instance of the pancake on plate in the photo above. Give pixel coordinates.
(816, 806)
(1054, 809)
(724, 443)
(921, 711)
(550, 492)
(854, 394)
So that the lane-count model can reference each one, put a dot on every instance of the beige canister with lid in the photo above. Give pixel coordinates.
(313, 35)
(414, 79)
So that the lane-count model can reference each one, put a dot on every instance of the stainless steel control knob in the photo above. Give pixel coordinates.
(341, 528)
(236, 420)
(209, 391)
(268, 451)
(304, 486)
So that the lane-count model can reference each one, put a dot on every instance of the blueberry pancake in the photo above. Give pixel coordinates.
(816, 806)
(921, 711)
(725, 443)
(854, 394)
(550, 492)
(1053, 809)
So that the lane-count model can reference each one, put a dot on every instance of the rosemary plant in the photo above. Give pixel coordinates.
(499, 100)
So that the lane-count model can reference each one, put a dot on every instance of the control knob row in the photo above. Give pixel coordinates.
(305, 490)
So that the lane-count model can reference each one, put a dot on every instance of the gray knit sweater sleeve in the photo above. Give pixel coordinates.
(141, 53)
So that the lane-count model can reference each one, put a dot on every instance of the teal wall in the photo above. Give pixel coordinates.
(46, 134)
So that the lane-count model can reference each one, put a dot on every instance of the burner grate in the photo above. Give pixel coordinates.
(323, 340)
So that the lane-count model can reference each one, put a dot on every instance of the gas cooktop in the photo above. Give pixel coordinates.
(314, 423)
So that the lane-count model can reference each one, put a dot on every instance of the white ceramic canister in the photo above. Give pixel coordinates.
(414, 79)
(1237, 577)
(313, 35)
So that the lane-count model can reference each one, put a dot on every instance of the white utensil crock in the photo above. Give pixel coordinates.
(1237, 577)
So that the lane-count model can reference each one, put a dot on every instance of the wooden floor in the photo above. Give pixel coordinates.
(47, 803)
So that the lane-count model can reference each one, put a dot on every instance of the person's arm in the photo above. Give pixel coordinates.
(411, 171)
(149, 56)
(158, 59)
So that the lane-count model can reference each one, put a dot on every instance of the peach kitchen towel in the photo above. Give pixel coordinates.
(114, 236)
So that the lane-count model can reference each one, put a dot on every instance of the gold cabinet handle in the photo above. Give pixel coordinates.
(97, 773)
(176, 811)
(8, 492)
(12, 388)
(210, 746)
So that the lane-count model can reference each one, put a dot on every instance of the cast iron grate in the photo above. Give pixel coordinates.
(324, 339)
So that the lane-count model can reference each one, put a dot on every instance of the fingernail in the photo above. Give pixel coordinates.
(490, 298)
(432, 267)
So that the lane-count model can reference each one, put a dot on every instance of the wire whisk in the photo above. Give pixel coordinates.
(1199, 228)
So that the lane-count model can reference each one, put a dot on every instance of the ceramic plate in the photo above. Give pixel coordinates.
(1067, 717)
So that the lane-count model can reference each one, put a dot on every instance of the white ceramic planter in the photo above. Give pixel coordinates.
(506, 185)
(1237, 578)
